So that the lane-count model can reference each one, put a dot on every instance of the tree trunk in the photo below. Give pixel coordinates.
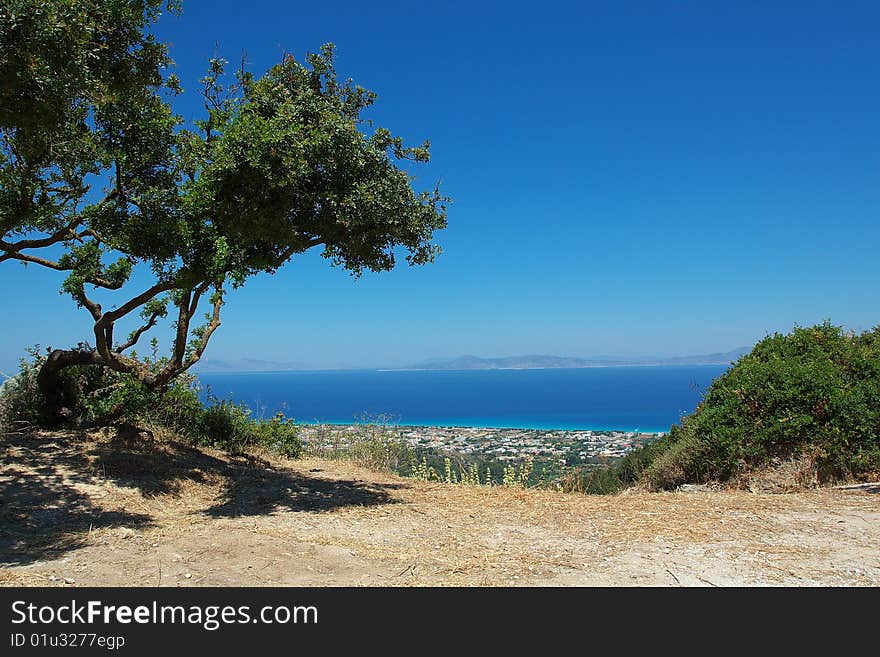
(49, 382)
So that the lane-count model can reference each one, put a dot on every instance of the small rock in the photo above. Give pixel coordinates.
(188, 576)
(69, 580)
(694, 488)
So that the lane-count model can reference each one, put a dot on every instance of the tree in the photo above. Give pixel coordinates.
(98, 176)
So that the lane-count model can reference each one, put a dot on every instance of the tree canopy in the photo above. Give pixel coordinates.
(99, 175)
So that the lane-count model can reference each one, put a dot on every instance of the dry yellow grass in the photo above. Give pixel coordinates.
(107, 510)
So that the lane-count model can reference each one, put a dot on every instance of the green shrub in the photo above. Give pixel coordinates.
(679, 459)
(279, 435)
(814, 390)
(227, 426)
(91, 393)
(622, 473)
(179, 409)
(20, 399)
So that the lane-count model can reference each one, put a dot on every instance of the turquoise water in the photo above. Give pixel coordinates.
(646, 399)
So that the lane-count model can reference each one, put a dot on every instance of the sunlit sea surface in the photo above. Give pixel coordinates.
(646, 399)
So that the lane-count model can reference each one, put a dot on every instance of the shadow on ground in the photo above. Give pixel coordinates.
(44, 508)
(51, 487)
(256, 487)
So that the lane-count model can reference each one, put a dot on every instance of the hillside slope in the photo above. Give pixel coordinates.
(90, 510)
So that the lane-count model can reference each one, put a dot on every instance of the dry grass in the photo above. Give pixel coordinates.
(139, 510)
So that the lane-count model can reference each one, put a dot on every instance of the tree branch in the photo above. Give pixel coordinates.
(93, 307)
(287, 253)
(212, 326)
(136, 335)
(97, 281)
(197, 294)
(65, 233)
(183, 318)
(113, 315)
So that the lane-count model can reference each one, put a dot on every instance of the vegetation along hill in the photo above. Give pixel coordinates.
(544, 361)
(808, 401)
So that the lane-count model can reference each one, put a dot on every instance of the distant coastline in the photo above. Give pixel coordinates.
(465, 363)
(478, 426)
(537, 367)
(541, 361)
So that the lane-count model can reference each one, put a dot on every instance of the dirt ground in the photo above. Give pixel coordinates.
(80, 509)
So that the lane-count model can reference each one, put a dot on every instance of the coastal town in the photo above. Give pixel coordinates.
(569, 447)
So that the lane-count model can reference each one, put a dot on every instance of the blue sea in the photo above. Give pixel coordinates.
(648, 399)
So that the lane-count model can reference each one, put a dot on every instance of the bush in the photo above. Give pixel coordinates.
(280, 434)
(179, 409)
(815, 391)
(623, 473)
(92, 393)
(229, 426)
(20, 400)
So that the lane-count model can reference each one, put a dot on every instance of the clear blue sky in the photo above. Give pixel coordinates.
(629, 178)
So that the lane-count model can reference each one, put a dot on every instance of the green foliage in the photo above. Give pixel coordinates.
(227, 425)
(179, 410)
(517, 475)
(283, 163)
(20, 398)
(815, 391)
(92, 391)
(230, 426)
(470, 476)
(280, 434)
(423, 472)
(277, 165)
(448, 476)
(464, 473)
(622, 473)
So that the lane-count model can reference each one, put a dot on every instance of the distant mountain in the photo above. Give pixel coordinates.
(722, 358)
(530, 362)
(548, 362)
(244, 365)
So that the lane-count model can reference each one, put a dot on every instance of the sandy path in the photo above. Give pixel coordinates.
(80, 510)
